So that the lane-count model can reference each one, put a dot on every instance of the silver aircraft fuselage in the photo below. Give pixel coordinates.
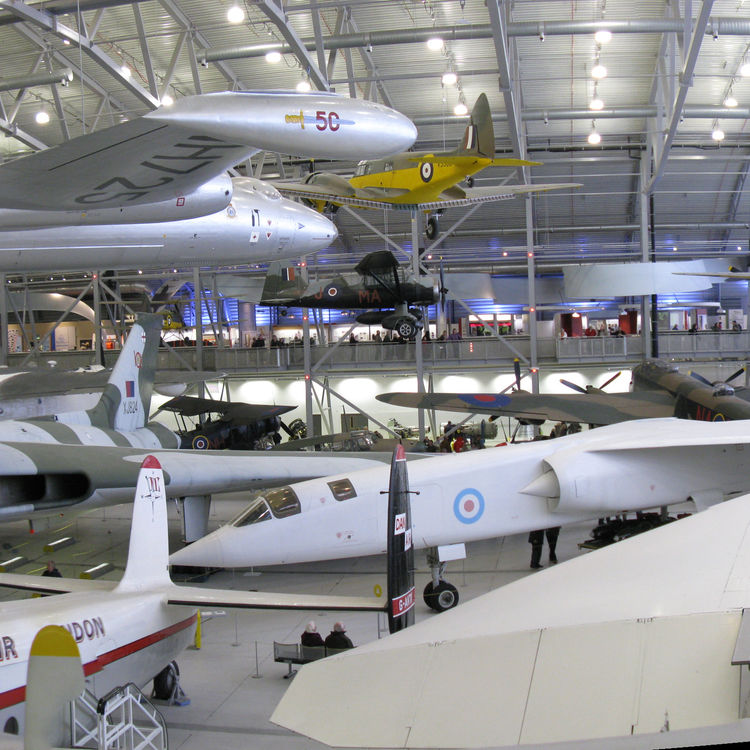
(258, 224)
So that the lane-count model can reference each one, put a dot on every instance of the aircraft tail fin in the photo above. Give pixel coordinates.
(400, 548)
(54, 678)
(148, 554)
(281, 281)
(126, 400)
(479, 136)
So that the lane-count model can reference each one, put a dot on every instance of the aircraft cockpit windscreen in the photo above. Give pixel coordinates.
(256, 512)
(342, 489)
(269, 191)
(723, 389)
(363, 168)
(283, 501)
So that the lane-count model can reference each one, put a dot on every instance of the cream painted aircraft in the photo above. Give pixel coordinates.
(488, 493)
(424, 180)
(131, 630)
(643, 644)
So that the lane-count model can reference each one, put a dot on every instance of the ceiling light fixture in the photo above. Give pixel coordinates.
(596, 103)
(598, 71)
(717, 134)
(41, 117)
(460, 109)
(435, 44)
(594, 138)
(450, 78)
(235, 14)
(730, 101)
(273, 57)
(126, 71)
(745, 70)
(603, 36)
(167, 101)
(303, 86)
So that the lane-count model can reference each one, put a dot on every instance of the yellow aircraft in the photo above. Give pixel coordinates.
(424, 180)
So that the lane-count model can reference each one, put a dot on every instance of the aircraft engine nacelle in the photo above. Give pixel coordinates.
(602, 482)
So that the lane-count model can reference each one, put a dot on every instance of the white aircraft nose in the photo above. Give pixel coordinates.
(312, 230)
(208, 551)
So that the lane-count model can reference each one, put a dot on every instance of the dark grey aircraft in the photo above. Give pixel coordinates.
(658, 390)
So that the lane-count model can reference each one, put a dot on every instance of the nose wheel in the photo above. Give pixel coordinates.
(441, 597)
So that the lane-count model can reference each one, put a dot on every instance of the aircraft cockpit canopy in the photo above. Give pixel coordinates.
(279, 502)
(723, 389)
(363, 168)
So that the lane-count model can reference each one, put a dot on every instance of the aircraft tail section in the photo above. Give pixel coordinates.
(281, 281)
(148, 554)
(125, 402)
(54, 679)
(401, 589)
(479, 136)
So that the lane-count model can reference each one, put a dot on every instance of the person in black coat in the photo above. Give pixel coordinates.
(311, 636)
(338, 638)
(52, 570)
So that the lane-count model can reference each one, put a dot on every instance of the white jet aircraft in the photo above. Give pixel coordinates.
(488, 493)
(642, 644)
(131, 630)
(72, 461)
(153, 191)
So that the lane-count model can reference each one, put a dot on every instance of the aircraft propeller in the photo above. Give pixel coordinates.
(590, 388)
(707, 382)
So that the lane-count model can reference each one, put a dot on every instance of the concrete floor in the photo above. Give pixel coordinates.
(232, 681)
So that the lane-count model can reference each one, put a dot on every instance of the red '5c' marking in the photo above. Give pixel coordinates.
(331, 122)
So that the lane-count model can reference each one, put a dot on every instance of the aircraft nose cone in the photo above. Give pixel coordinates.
(313, 231)
(208, 552)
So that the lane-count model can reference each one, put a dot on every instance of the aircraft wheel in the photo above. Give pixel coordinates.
(406, 328)
(441, 597)
(166, 681)
(433, 228)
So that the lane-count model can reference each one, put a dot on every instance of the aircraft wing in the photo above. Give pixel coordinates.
(196, 596)
(739, 275)
(160, 156)
(588, 408)
(458, 196)
(51, 585)
(192, 406)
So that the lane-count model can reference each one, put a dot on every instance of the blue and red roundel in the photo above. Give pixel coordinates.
(468, 506)
(486, 400)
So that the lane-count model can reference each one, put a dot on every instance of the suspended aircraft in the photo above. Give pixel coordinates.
(489, 493)
(378, 285)
(658, 390)
(65, 463)
(131, 630)
(640, 645)
(153, 191)
(421, 180)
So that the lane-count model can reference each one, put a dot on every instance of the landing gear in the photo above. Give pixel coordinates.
(432, 229)
(441, 597)
(406, 328)
(167, 686)
(439, 594)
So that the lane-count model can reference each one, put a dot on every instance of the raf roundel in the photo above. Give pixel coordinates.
(468, 506)
(425, 171)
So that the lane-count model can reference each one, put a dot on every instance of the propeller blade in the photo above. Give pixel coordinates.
(703, 380)
(614, 377)
(735, 375)
(574, 386)
(517, 371)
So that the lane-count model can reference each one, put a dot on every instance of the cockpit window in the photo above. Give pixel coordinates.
(342, 489)
(723, 389)
(257, 511)
(269, 191)
(283, 501)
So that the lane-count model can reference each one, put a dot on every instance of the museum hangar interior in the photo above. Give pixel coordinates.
(637, 110)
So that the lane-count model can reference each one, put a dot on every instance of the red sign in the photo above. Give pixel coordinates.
(403, 603)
